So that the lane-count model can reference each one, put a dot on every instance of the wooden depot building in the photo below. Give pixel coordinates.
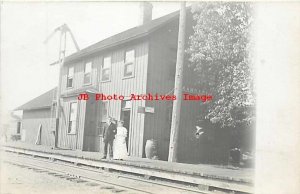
(140, 60)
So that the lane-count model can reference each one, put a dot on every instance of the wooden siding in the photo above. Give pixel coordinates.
(117, 85)
(30, 123)
(79, 75)
(126, 86)
(76, 141)
(71, 141)
(161, 76)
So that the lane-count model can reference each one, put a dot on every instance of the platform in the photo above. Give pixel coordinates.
(208, 175)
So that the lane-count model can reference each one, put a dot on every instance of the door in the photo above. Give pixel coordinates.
(125, 116)
(91, 136)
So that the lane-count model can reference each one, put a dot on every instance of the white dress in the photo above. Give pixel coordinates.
(120, 148)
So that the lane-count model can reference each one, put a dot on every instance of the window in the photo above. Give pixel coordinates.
(70, 77)
(129, 63)
(104, 116)
(18, 127)
(72, 118)
(126, 105)
(87, 73)
(106, 69)
(104, 113)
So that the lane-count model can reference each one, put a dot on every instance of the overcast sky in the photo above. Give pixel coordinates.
(25, 72)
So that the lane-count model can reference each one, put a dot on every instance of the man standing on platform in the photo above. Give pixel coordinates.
(108, 134)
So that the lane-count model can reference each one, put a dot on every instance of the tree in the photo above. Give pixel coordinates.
(219, 52)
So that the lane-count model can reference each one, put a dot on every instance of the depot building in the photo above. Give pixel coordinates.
(141, 60)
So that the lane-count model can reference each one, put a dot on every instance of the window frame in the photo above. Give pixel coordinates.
(84, 73)
(110, 69)
(72, 77)
(104, 104)
(70, 132)
(123, 105)
(19, 127)
(103, 118)
(129, 63)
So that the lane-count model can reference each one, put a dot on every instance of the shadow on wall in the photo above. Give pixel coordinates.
(215, 143)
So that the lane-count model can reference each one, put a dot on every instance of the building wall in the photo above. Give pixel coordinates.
(66, 140)
(126, 87)
(76, 141)
(213, 146)
(155, 65)
(117, 85)
(11, 126)
(30, 123)
(79, 74)
(160, 80)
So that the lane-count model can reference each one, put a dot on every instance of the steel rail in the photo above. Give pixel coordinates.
(204, 184)
(88, 168)
(79, 177)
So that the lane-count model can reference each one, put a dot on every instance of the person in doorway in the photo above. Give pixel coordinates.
(108, 135)
(120, 147)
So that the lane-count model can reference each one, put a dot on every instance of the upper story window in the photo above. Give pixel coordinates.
(70, 77)
(72, 118)
(106, 69)
(129, 63)
(87, 73)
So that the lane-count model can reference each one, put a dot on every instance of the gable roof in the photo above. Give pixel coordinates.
(40, 102)
(128, 35)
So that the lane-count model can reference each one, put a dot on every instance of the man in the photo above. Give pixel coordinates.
(108, 135)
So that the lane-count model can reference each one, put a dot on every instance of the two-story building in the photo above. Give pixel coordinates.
(141, 60)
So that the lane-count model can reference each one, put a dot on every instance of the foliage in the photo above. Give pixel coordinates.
(219, 53)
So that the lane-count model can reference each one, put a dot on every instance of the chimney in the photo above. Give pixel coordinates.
(145, 12)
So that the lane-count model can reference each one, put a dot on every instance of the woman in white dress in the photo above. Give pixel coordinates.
(120, 148)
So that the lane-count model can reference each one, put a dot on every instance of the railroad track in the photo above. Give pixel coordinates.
(78, 173)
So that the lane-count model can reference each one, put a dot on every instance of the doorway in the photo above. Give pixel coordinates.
(125, 116)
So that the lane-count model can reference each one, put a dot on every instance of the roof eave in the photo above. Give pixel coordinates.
(76, 57)
(33, 108)
(85, 54)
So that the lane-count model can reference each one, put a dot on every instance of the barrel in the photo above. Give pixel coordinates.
(151, 148)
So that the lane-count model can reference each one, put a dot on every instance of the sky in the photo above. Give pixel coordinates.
(25, 59)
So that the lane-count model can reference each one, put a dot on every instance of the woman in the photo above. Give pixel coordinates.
(120, 148)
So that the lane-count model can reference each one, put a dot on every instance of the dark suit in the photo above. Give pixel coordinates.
(108, 134)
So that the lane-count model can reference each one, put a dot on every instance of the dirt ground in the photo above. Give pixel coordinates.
(15, 180)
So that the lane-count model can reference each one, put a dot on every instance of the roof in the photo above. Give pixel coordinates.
(45, 100)
(128, 35)
(89, 89)
(40, 102)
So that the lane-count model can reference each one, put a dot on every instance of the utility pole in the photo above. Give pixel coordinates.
(61, 59)
(178, 86)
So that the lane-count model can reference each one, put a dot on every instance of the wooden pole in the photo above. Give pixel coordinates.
(178, 86)
(61, 57)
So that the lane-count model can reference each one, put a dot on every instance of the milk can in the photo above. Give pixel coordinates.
(151, 148)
